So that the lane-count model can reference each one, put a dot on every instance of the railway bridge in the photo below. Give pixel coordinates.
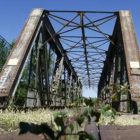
(59, 52)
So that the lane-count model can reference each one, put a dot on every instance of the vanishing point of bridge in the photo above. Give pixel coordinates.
(59, 52)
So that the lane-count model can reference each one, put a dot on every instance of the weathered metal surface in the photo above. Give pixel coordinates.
(122, 64)
(56, 81)
(108, 132)
(11, 73)
(124, 105)
(56, 44)
(34, 101)
(131, 52)
(15, 136)
(93, 130)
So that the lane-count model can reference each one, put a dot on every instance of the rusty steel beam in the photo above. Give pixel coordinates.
(58, 46)
(131, 50)
(85, 47)
(99, 12)
(122, 61)
(14, 65)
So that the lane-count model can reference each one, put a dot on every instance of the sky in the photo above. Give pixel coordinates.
(14, 13)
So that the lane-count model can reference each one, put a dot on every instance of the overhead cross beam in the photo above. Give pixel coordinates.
(84, 46)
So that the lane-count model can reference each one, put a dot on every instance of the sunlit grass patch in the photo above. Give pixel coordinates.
(12, 118)
(9, 119)
(120, 120)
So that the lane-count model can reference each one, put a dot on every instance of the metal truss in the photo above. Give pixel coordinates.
(66, 50)
(122, 64)
(85, 43)
(39, 63)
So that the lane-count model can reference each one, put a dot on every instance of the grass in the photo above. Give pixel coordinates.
(121, 120)
(9, 119)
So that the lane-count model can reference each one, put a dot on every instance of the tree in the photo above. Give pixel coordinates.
(5, 49)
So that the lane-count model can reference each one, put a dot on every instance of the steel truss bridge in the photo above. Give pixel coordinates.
(59, 52)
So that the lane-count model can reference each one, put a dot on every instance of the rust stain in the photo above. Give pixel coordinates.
(10, 73)
(131, 52)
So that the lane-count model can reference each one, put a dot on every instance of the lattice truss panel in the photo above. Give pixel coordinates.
(85, 37)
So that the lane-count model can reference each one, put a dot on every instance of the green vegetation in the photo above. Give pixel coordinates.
(93, 109)
(5, 49)
(11, 118)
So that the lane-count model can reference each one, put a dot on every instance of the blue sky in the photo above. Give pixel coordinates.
(14, 13)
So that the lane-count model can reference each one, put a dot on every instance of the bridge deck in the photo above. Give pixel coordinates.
(119, 132)
(103, 132)
(113, 132)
